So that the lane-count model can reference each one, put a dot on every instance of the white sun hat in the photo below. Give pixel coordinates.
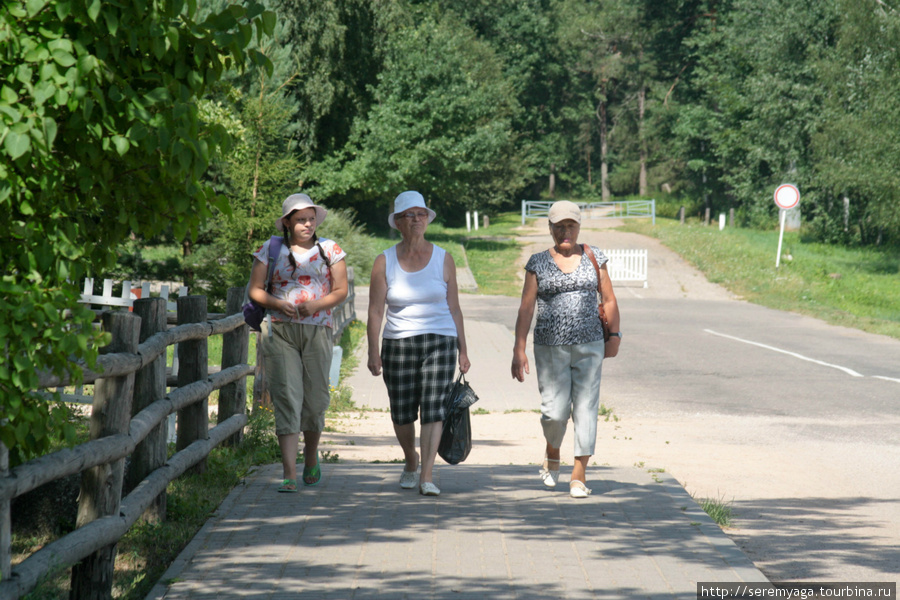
(299, 202)
(406, 201)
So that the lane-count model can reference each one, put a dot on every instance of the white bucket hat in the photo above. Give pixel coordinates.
(406, 201)
(299, 202)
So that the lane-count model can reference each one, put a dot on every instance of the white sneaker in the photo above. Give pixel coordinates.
(409, 479)
(577, 489)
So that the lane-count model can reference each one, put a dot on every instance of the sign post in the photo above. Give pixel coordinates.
(787, 196)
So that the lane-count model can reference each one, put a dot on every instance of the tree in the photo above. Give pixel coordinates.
(101, 138)
(857, 147)
(335, 48)
(440, 123)
(756, 101)
(523, 35)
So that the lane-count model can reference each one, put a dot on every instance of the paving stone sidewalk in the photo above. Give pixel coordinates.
(495, 532)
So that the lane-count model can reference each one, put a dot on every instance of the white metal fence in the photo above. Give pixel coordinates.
(623, 209)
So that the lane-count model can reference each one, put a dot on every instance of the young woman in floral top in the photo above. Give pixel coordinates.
(308, 280)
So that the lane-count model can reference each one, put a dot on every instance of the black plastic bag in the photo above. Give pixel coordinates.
(456, 439)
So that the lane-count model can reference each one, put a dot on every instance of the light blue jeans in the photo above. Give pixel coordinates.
(569, 382)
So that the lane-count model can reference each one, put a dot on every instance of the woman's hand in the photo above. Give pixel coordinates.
(464, 363)
(307, 309)
(287, 308)
(611, 348)
(519, 365)
(374, 364)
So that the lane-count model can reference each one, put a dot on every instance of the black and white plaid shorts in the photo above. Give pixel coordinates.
(418, 371)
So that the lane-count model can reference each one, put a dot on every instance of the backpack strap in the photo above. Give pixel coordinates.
(275, 243)
(274, 250)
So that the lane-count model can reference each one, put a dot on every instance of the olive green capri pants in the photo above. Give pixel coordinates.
(297, 359)
(569, 382)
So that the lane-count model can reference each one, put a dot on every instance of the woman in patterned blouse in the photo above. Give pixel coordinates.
(568, 341)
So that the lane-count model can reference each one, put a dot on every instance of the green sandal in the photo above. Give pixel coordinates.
(288, 486)
(313, 473)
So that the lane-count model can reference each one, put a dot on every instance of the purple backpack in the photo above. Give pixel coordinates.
(253, 312)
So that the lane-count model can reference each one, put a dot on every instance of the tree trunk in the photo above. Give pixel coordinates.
(552, 179)
(846, 214)
(186, 250)
(604, 154)
(642, 177)
(588, 159)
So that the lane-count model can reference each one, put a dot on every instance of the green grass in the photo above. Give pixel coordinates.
(718, 510)
(853, 287)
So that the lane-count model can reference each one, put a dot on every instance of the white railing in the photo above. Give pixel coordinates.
(623, 209)
(126, 299)
(128, 296)
(627, 265)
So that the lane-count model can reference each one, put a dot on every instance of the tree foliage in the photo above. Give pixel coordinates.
(440, 123)
(857, 146)
(101, 138)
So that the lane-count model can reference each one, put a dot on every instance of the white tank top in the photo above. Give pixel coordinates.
(417, 302)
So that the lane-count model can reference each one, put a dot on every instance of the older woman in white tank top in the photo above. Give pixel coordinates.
(423, 334)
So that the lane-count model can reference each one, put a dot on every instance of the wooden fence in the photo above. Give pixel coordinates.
(130, 410)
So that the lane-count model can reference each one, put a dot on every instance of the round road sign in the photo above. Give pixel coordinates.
(787, 196)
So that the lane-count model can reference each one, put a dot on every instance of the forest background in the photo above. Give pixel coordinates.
(481, 104)
(477, 104)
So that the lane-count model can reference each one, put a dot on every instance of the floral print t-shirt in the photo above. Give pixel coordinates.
(311, 280)
(566, 302)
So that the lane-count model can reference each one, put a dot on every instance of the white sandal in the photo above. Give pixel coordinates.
(429, 489)
(577, 489)
(548, 475)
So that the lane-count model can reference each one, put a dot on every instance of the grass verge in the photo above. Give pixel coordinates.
(718, 510)
(853, 287)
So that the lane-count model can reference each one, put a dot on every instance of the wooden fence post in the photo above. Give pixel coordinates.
(193, 358)
(235, 343)
(101, 486)
(5, 520)
(149, 386)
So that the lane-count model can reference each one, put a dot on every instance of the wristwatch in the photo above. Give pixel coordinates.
(617, 334)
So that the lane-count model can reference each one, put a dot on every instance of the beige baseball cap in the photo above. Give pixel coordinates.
(562, 210)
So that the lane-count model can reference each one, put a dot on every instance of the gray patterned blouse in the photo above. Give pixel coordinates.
(566, 302)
